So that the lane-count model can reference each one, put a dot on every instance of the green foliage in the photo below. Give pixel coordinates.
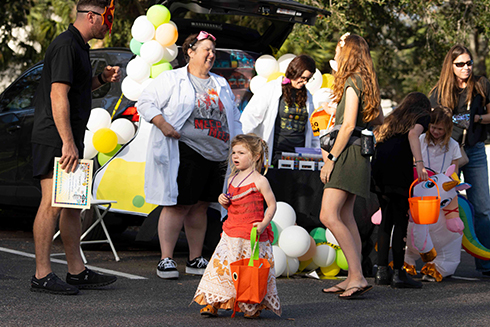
(408, 38)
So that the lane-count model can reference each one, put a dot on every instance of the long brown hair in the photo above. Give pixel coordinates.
(295, 69)
(257, 147)
(441, 115)
(354, 58)
(447, 87)
(414, 106)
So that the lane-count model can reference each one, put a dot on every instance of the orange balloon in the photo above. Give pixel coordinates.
(311, 251)
(166, 34)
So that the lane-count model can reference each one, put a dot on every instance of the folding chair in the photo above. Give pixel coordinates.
(97, 205)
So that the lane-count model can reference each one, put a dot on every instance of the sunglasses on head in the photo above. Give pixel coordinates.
(107, 15)
(201, 36)
(469, 63)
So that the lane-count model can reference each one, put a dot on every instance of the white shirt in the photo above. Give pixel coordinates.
(436, 157)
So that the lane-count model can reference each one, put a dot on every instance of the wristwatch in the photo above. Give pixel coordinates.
(331, 157)
(480, 120)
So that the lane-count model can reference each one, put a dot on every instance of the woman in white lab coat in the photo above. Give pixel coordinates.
(280, 111)
(194, 118)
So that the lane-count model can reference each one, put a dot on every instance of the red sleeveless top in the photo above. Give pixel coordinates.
(246, 208)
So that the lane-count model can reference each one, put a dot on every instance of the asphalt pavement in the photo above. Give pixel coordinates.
(140, 298)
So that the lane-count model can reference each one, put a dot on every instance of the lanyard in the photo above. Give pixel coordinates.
(443, 159)
(228, 195)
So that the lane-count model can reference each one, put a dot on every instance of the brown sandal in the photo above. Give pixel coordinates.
(209, 311)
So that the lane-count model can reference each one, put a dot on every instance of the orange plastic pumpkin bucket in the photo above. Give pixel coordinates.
(425, 209)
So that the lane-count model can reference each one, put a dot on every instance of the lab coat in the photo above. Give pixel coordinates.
(259, 116)
(172, 95)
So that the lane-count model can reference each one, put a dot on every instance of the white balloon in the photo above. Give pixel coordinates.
(294, 241)
(266, 65)
(279, 260)
(124, 130)
(99, 118)
(315, 82)
(142, 29)
(330, 238)
(145, 83)
(138, 69)
(325, 255)
(284, 61)
(292, 266)
(321, 96)
(256, 83)
(175, 25)
(152, 52)
(89, 150)
(131, 89)
(170, 52)
(284, 216)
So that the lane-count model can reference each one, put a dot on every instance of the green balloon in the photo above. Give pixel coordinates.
(135, 46)
(138, 201)
(104, 157)
(318, 235)
(159, 67)
(158, 15)
(341, 260)
(276, 233)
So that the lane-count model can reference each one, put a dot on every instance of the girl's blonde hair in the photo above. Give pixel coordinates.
(441, 115)
(414, 106)
(354, 58)
(257, 147)
(447, 87)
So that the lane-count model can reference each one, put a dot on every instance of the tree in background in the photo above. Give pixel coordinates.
(408, 38)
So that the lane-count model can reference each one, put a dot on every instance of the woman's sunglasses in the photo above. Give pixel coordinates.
(469, 63)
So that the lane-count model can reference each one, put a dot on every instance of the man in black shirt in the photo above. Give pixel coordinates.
(63, 104)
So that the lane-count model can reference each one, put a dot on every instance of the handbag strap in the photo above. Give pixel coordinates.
(254, 245)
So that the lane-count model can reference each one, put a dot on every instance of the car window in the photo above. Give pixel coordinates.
(98, 65)
(20, 94)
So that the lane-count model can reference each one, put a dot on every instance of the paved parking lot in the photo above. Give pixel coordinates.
(140, 298)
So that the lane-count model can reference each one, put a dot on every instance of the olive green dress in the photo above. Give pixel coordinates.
(352, 171)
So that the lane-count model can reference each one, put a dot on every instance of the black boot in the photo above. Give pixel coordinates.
(402, 280)
(383, 276)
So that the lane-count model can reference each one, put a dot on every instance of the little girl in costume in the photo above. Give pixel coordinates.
(392, 174)
(439, 151)
(244, 201)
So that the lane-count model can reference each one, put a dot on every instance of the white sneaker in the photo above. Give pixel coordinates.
(167, 269)
(196, 266)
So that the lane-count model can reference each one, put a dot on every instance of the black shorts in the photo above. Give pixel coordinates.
(198, 179)
(43, 158)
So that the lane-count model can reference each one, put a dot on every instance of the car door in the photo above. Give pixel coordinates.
(16, 120)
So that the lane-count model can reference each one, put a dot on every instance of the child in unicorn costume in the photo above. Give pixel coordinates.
(439, 244)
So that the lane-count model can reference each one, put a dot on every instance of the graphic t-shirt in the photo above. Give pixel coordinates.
(290, 127)
(206, 130)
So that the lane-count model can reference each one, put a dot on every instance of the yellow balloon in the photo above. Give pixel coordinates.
(104, 140)
(304, 264)
(330, 271)
(327, 81)
(274, 76)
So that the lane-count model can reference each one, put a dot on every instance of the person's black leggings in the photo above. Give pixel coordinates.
(394, 209)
